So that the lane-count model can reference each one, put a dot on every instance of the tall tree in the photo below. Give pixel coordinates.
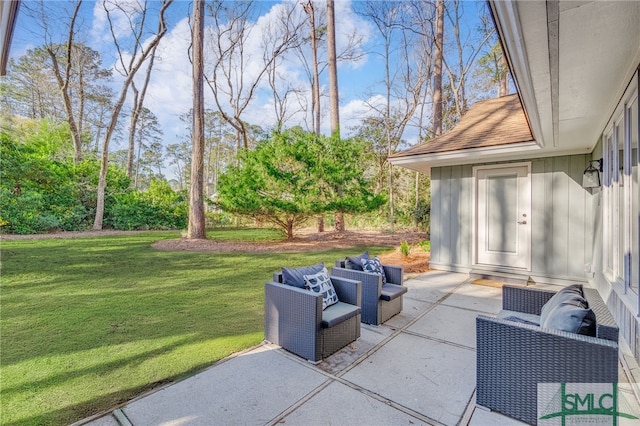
(437, 69)
(147, 135)
(62, 61)
(141, 51)
(493, 71)
(63, 73)
(138, 105)
(179, 156)
(315, 87)
(334, 101)
(197, 228)
(463, 56)
(401, 27)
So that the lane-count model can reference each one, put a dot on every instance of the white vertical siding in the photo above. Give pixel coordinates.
(561, 217)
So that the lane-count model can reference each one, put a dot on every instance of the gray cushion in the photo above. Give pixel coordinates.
(338, 313)
(521, 317)
(355, 262)
(392, 291)
(569, 317)
(295, 276)
(571, 293)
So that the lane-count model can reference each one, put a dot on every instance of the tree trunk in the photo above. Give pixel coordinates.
(437, 69)
(339, 225)
(315, 99)
(504, 76)
(289, 229)
(417, 203)
(132, 131)
(334, 102)
(196, 228)
(315, 89)
(63, 84)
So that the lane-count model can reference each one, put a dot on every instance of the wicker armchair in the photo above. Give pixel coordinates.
(513, 357)
(294, 318)
(379, 302)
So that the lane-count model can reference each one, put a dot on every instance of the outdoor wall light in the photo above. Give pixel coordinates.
(591, 175)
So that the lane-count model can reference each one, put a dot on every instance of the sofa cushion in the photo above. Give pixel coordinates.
(521, 317)
(295, 276)
(392, 291)
(374, 266)
(355, 262)
(338, 313)
(568, 317)
(321, 283)
(568, 310)
(571, 293)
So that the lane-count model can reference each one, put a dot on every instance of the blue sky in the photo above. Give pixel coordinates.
(169, 94)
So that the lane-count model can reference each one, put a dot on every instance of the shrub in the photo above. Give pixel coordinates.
(158, 208)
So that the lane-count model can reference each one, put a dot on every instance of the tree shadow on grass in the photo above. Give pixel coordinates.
(99, 403)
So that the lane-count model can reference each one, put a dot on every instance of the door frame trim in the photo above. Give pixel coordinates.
(474, 248)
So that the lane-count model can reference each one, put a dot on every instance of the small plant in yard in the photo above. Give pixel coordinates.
(405, 248)
(426, 245)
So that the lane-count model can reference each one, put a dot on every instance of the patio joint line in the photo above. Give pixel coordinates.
(437, 339)
(399, 330)
(476, 311)
(468, 412)
(299, 403)
(389, 402)
(332, 378)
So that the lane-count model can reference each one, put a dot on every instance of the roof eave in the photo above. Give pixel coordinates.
(424, 162)
(506, 16)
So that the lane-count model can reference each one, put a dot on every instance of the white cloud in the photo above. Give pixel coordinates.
(355, 111)
(122, 12)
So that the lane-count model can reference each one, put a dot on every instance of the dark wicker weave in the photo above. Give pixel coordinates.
(293, 318)
(375, 310)
(512, 358)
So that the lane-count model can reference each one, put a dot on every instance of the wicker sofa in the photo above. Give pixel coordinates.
(379, 301)
(295, 320)
(513, 357)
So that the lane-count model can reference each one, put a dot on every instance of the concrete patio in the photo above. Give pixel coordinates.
(418, 368)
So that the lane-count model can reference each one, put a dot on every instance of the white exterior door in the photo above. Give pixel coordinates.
(503, 228)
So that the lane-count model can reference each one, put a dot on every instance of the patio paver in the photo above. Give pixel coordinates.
(418, 368)
(449, 324)
(339, 404)
(427, 376)
(249, 389)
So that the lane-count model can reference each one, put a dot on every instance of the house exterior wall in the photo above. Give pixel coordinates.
(561, 219)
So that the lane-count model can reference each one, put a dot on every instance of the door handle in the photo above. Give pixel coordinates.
(524, 222)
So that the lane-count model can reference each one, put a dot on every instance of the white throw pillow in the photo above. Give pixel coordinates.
(321, 283)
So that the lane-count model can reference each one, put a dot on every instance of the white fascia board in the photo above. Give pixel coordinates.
(509, 26)
(515, 152)
(466, 156)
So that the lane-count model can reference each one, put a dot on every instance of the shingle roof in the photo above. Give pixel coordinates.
(489, 123)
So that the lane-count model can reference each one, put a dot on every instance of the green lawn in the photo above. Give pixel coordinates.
(88, 323)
